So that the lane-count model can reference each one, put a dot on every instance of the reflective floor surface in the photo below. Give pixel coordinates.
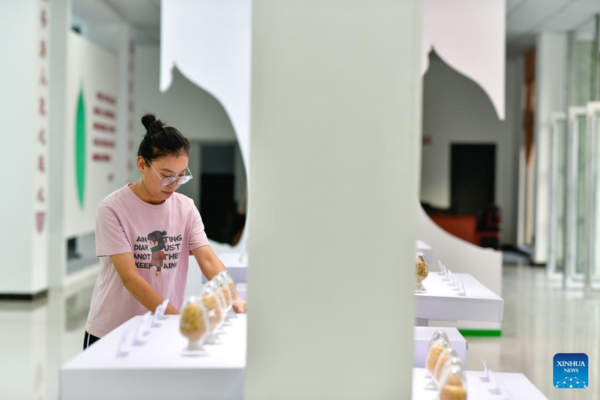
(540, 320)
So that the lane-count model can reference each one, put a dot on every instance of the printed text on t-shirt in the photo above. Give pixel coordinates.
(143, 250)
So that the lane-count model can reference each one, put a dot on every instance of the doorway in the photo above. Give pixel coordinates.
(473, 177)
(222, 192)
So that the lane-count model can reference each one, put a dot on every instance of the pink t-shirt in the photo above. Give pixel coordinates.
(160, 237)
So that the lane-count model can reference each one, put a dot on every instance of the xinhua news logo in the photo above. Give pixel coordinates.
(571, 371)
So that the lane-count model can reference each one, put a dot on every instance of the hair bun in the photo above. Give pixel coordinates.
(147, 120)
(151, 124)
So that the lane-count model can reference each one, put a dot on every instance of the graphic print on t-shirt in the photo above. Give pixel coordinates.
(156, 241)
(163, 251)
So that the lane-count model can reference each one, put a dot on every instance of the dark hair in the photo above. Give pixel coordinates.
(158, 236)
(161, 140)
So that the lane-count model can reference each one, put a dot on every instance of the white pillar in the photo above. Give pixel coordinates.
(24, 97)
(551, 78)
(335, 138)
(61, 26)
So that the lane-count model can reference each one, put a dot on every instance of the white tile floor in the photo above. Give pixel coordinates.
(540, 321)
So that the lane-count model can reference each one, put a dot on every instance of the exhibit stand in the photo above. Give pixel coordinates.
(129, 363)
(481, 385)
(146, 358)
(456, 297)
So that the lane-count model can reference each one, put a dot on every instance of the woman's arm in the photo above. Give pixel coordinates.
(210, 265)
(137, 286)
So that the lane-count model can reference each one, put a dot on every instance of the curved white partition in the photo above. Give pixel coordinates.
(460, 256)
(209, 42)
(469, 35)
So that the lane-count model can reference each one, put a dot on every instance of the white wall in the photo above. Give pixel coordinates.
(550, 79)
(196, 113)
(93, 70)
(118, 39)
(457, 110)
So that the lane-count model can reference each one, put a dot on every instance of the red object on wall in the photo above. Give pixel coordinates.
(43, 19)
(462, 226)
(42, 106)
(42, 49)
(40, 221)
(41, 164)
(104, 143)
(103, 127)
(101, 157)
(106, 98)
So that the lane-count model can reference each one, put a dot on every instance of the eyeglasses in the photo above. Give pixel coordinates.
(181, 180)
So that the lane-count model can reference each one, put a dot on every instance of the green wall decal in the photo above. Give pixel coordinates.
(80, 148)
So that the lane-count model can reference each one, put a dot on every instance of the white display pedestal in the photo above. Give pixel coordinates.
(423, 336)
(156, 369)
(442, 303)
(427, 251)
(235, 265)
(515, 387)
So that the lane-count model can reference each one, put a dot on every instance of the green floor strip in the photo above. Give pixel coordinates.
(480, 332)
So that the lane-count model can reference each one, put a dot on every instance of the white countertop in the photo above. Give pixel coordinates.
(154, 369)
(441, 302)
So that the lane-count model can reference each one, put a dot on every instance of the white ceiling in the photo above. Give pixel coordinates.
(143, 15)
(524, 18)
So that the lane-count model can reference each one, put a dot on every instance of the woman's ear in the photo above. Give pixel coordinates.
(141, 164)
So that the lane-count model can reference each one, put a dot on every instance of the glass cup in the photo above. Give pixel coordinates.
(194, 324)
(453, 384)
(439, 334)
(220, 296)
(214, 310)
(230, 284)
(222, 283)
(422, 271)
(446, 355)
(435, 351)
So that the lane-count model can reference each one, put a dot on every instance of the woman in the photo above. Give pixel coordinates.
(145, 225)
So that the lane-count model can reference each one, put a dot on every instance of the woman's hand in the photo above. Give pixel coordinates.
(239, 306)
